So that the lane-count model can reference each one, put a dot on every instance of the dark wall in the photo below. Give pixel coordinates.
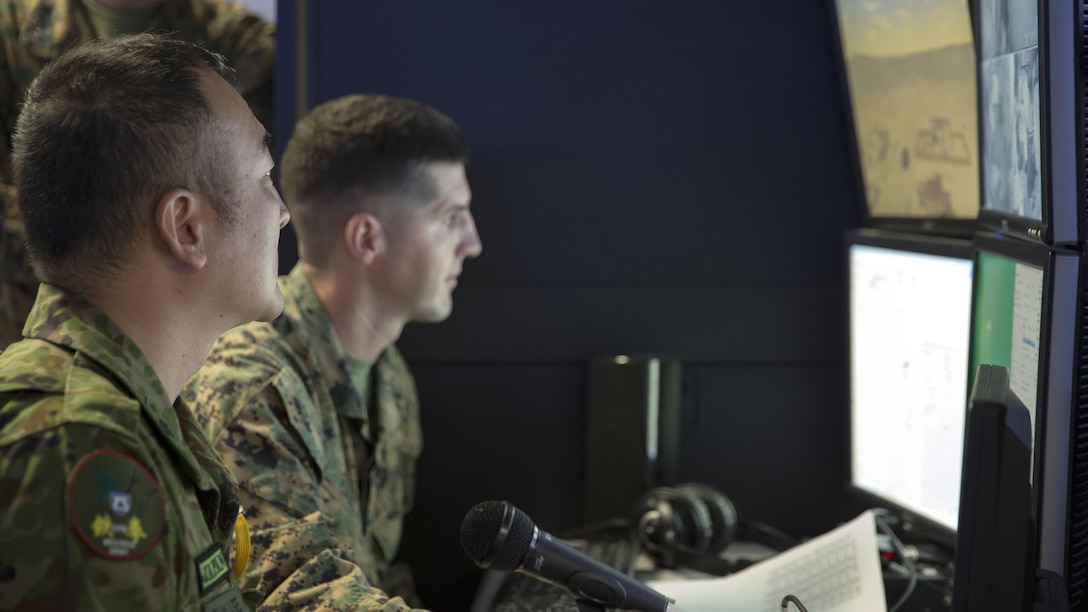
(648, 177)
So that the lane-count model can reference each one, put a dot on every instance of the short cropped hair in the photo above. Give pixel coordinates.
(106, 130)
(358, 146)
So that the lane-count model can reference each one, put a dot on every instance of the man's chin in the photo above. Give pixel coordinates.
(274, 310)
(436, 315)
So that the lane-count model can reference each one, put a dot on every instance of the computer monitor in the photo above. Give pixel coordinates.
(1008, 316)
(994, 569)
(1031, 118)
(909, 305)
(909, 77)
(1028, 316)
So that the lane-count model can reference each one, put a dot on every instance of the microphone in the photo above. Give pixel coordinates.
(498, 536)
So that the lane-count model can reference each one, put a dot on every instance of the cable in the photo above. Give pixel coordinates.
(793, 599)
(878, 514)
(765, 534)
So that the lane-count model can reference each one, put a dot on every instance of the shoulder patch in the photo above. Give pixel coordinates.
(115, 505)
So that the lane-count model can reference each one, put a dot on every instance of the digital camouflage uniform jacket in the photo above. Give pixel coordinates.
(278, 405)
(35, 32)
(111, 498)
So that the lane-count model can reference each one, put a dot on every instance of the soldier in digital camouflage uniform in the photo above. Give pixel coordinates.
(34, 32)
(316, 412)
(111, 496)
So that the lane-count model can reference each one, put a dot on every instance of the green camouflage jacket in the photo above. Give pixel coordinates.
(34, 32)
(111, 498)
(325, 487)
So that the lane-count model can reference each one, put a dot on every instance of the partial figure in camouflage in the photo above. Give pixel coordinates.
(316, 413)
(35, 32)
(151, 216)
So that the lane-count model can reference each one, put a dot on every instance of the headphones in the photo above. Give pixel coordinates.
(687, 525)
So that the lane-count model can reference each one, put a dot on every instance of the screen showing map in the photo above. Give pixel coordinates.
(911, 75)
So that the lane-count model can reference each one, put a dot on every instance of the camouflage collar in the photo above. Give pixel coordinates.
(304, 318)
(64, 319)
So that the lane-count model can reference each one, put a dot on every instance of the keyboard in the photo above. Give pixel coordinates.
(825, 577)
(523, 593)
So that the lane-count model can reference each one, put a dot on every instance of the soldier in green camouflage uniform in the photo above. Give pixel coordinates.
(316, 412)
(111, 496)
(83, 421)
(34, 32)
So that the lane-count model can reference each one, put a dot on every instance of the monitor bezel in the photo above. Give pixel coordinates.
(993, 564)
(914, 523)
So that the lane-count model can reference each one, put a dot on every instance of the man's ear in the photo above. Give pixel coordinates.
(182, 221)
(364, 237)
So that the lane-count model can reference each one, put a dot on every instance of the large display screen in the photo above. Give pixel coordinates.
(910, 317)
(912, 77)
(1031, 113)
(1028, 318)
(1009, 100)
(1008, 316)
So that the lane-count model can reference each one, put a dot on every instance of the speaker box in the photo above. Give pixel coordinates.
(633, 419)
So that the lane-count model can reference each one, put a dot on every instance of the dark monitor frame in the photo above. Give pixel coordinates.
(936, 226)
(1060, 455)
(1061, 127)
(915, 525)
(994, 542)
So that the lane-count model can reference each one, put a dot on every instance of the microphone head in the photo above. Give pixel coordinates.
(497, 535)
